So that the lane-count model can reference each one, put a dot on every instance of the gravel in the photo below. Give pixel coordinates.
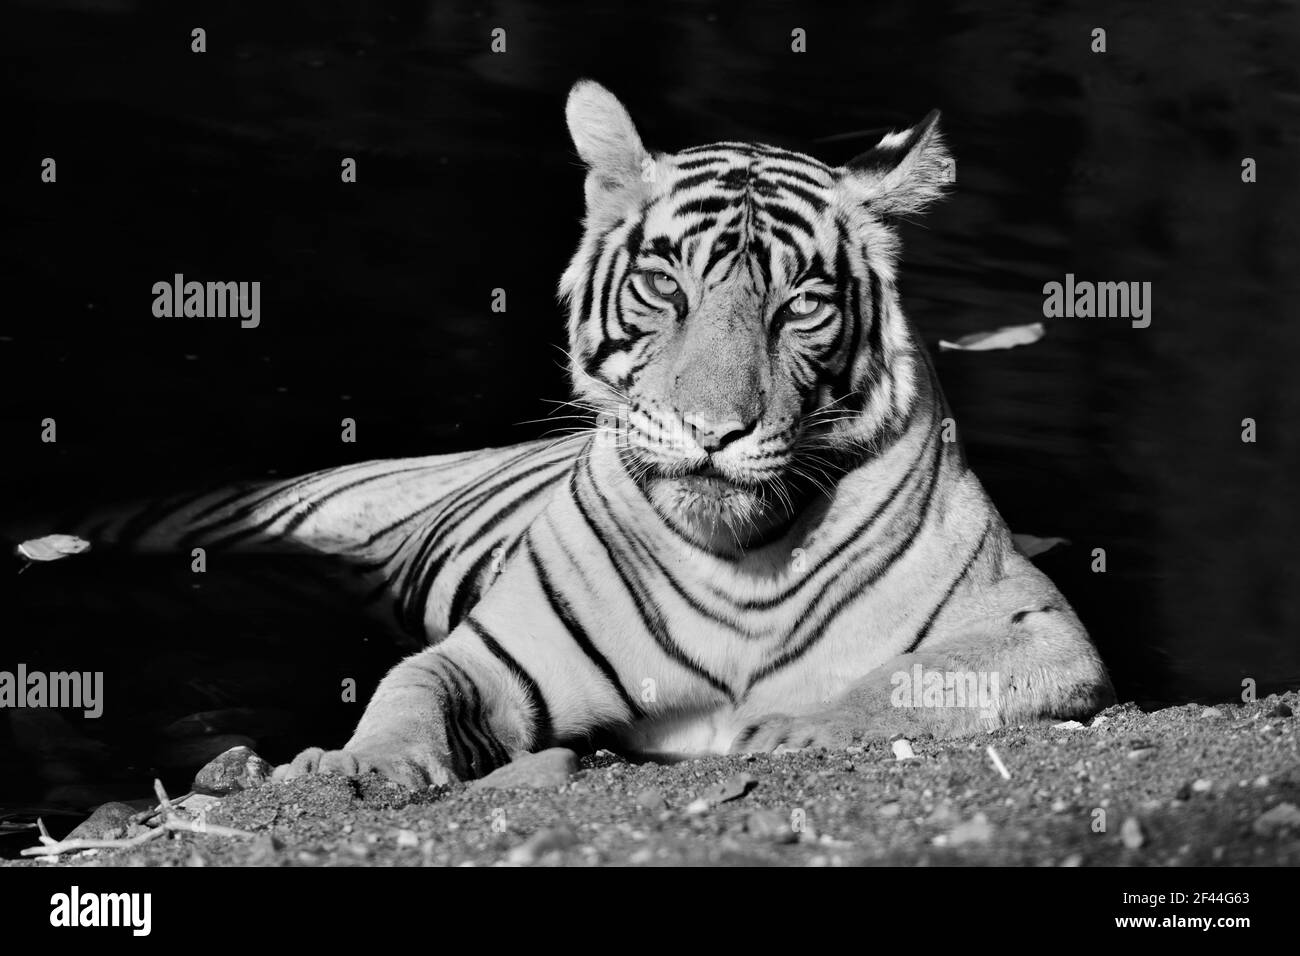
(1205, 791)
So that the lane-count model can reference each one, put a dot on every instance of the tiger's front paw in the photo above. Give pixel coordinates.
(410, 769)
(784, 732)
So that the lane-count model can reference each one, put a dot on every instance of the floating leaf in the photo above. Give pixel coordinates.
(1032, 546)
(1007, 337)
(52, 547)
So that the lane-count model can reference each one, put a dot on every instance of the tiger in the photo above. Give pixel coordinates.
(761, 538)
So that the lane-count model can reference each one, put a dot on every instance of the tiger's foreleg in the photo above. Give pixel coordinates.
(1034, 665)
(447, 713)
(520, 674)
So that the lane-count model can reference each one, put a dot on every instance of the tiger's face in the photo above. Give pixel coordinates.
(732, 313)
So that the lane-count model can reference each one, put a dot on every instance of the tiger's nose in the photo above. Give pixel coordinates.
(714, 436)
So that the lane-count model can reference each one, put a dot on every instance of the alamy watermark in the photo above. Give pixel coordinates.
(76, 690)
(74, 908)
(1085, 300)
(929, 687)
(208, 300)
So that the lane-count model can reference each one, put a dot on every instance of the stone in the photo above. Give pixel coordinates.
(733, 788)
(1284, 816)
(770, 825)
(975, 830)
(546, 768)
(1130, 833)
(549, 840)
(239, 768)
(651, 800)
(109, 821)
(265, 851)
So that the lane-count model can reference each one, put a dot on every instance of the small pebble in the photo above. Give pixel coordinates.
(903, 749)
(975, 830)
(265, 849)
(1284, 816)
(1130, 832)
(549, 840)
(733, 788)
(651, 800)
(770, 825)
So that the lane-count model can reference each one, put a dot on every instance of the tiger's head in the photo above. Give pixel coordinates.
(733, 316)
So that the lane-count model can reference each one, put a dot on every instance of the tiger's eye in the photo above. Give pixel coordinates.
(804, 304)
(664, 284)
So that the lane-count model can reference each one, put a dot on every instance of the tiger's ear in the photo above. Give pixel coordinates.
(609, 145)
(904, 172)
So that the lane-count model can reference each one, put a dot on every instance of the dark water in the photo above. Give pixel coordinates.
(1123, 166)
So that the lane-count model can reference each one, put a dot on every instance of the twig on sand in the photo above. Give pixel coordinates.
(164, 802)
(997, 762)
(52, 847)
(146, 815)
(55, 847)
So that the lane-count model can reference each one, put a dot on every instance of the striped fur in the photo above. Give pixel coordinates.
(763, 529)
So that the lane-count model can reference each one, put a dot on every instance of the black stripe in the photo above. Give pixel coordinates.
(704, 205)
(818, 631)
(467, 591)
(649, 614)
(947, 595)
(695, 179)
(774, 189)
(788, 217)
(850, 539)
(465, 759)
(543, 731)
(564, 611)
(799, 175)
(500, 756)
